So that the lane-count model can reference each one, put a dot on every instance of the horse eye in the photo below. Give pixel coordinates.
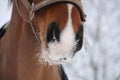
(53, 33)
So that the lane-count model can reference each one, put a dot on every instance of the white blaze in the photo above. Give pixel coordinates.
(64, 48)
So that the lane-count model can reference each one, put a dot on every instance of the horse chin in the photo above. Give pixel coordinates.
(46, 59)
(55, 55)
(52, 61)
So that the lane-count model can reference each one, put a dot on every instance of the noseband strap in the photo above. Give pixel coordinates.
(45, 3)
(31, 15)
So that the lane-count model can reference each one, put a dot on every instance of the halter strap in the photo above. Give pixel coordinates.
(45, 3)
(31, 15)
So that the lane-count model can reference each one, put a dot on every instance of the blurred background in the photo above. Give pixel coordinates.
(99, 58)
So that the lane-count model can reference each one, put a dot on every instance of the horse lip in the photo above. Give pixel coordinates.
(51, 61)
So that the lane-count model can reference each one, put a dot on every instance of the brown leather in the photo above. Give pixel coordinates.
(44, 3)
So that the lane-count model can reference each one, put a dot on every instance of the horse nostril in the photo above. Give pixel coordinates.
(63, 58)
(53, 32)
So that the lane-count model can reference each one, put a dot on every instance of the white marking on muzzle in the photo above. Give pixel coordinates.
(62, 51)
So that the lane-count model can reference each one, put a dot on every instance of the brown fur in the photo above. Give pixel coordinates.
(76, 19)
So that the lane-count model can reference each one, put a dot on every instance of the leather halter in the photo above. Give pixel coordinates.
(32, 8)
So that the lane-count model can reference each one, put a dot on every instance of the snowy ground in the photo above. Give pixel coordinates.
(99, 58)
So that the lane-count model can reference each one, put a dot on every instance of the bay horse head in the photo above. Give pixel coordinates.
(44, 31)
(57, 25)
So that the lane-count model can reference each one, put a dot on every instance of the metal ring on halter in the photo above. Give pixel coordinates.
(32, 12)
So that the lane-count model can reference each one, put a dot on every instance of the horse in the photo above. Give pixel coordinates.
(41, 36)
